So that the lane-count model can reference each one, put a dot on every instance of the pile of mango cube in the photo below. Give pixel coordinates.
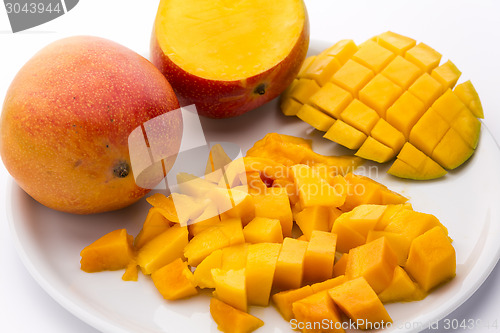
(283, 224)
(389, 97)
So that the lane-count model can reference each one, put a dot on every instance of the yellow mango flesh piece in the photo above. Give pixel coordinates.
(314, 190)
(321, 69)
(154, 225)
(234, 257)
(284, 300)
(263, 230)
(447, 74)
(432, 259)
(360, 303)
(468, 94)
(452, 151)
(397, 242)
(315, 118)
(305, 65)
(131, 272)
(165, 206)
(363, 190)
(209, 218)
(386, 134)
(347, 237)
(260, 266)
(290, 107)
(352, 76)
(428, 131)
(174, 280)
(411, 224)
(314, 310)
(379, 94)
(112, 251)
(290, 265)
(229, 232)
(402, 72)
(363, 218)
(331, 99)
(424, 57)
(401, 288)
(188, 207)
(231, 320)
(340, 265)
(275, 206)
(203, 272)
(313, 218)
(320, 256)
(427, 89)
(342, 50)
(405, 112)
(230, 287)
(243, 206)
(360, 116)
(304, 89)
(387, 93)
(163, 249)
(397, 43)
(375, 261)
(373, 56)
(376, 151)
(345, 135)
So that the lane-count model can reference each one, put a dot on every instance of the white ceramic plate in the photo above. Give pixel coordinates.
(49, 242)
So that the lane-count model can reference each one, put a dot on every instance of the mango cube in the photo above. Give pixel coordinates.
(342, 50)
(234, 257)
(230, 287)
(376, 151)
(360, 303)
(373, 56)
(284, 300)
(360, 116)
(402, 72)
(203, 272)
(174, 280)
(110, 252)
(321, 69)
(375, 261)
(352, 76)
(314, 310)
(432, 259)
(397, 43)
(320, 256)
(386, 134)
(217, 237)
(154, 225)
(447, 74)
(401, 288)
(424, 57)
(163, 249)
(345, 134)
(340, 266)
(260, 267)
(232, 320)
(314, 190)
(304, 89)
(405, 112)
(263, 230)
(290, 265)
(315, 118)
(313, 218)
(427, 89)
(428, 131)
(275, 205)
(380, 93)
(328, 284)
(468, 94)
(331, 99)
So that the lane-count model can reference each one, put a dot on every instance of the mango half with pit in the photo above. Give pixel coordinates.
(388, 98)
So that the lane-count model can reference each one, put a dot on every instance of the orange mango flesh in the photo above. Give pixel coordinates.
(388, 91)
(370, 242)
(195, 36)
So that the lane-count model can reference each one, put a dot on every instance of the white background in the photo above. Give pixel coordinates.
(468, 32)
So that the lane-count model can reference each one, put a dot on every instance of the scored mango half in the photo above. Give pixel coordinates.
(388, 98)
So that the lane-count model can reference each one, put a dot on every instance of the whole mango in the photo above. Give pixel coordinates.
(67, 117)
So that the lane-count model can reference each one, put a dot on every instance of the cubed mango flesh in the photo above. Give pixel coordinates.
(290, 265)
(360, 303)
(232, 320)
(392, 80)
(263, 230)
(314, 310)
(230, 287)
(284, 300)
(275, 205)
(313, 218)
(112, 251)
(203, 272)
(259, 270)
(432, 259)
(175, 280)
(401, 288)
(320, 256)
